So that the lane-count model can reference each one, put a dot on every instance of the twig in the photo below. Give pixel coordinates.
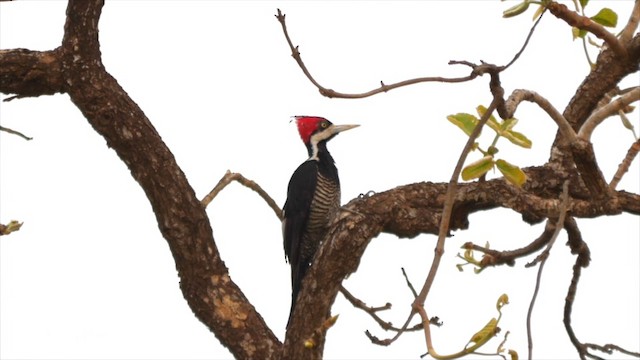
(495, 257)
(405, 326)
(526, 42)
(579, 247)
(568, 308)
(604, 112)
(409, 284)
(448, 204)
(228, 178)
(372, 311)
(544, 256)
(625, 164)
(632, 24)
(608, 348)
(572, 18)
(14, 132)
(520, 95)
(418, 303)
(330, 93)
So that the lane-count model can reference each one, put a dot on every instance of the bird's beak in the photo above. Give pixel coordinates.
(340, 128)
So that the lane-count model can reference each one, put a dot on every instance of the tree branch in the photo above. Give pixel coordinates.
(625, 164)
(30, 73)
(520, 95)
(579, 247)
(543, 259)
(494, 257)
(14, 132)
(228, 178)
(373, 312)
(608, 71)
(632, 24)
(330, 93)
(604, 112)
(447, 210)
(584, 23)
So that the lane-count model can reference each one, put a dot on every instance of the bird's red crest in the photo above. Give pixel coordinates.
(307, 125)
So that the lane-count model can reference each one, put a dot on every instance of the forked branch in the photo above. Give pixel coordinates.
(230, 177)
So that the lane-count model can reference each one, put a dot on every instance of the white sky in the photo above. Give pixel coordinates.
(89, 275)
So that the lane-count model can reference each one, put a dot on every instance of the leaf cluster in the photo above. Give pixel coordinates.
(504, 128)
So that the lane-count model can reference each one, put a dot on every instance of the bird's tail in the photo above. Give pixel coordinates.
(297, 274)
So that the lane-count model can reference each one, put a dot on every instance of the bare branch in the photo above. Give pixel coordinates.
(409, 284)
(444, 228)
(494, 257)
(14, 132)
(526, 41)
(632, 24)
(608, 348)
(520, 95)
(625, 164)
(373, 312)
(29, 73)
(228, 178)
(544, 256)
(448, 205)
(608, 110)
(330, 93)
(579, 247)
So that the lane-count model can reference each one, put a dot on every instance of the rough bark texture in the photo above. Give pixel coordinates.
(75, 68)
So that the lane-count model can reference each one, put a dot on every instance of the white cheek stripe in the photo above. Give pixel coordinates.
(316, 138)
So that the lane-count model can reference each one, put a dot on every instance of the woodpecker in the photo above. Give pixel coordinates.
(313, 198)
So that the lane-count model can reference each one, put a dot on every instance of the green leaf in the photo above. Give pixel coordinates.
(516, 10)
(625, 120)
(477, 168)
(626, 123)
(483, 335)
(513, 354)
(508, 124)
(466, 122)
(492, 122)
(517, 139)
(578, 33)
(538, 12)
(583, 3)
(606, 17)
(511, 172)
(502, 301)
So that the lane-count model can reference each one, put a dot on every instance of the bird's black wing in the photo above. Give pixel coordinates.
(296, 209)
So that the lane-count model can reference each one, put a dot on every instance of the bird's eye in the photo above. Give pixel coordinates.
(324, 124)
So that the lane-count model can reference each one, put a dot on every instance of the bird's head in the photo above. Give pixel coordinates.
(314, 129)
